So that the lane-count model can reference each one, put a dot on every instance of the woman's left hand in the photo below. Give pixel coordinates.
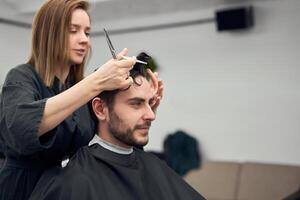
(158, 89)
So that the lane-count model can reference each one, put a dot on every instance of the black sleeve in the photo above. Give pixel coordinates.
(22, 109)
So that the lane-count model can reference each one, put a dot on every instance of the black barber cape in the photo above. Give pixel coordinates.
(95, 173)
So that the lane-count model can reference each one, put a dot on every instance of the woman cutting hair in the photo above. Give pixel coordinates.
(44, 116)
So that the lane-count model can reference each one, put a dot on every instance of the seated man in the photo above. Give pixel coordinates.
(111, 167)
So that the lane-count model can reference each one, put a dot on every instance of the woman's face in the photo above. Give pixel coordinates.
(79, 36)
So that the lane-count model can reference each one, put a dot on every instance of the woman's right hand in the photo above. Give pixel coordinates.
(114, 74)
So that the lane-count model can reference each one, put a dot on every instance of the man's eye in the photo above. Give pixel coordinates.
(136, 103)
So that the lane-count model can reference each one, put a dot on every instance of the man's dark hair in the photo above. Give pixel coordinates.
(137, 70)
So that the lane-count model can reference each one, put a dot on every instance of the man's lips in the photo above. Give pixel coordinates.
(146, 125)
(143, 127)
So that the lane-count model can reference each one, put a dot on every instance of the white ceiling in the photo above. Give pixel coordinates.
(108, 10)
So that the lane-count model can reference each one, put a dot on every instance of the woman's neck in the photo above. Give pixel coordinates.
(62, 73)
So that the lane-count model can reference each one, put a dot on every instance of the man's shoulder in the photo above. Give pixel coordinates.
(75, 174)
(158, 172)
(78, 162)
(150, 158)
(62, 184)
(146, 154)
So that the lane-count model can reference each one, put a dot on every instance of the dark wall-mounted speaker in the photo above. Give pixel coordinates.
(234, 19)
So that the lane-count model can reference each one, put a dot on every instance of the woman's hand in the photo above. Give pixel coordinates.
(158, 89)
(114, 74)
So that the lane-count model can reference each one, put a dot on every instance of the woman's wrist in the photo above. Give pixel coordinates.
(93, 85)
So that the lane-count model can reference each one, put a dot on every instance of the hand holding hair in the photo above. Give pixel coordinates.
(158, 89)
(114, 73)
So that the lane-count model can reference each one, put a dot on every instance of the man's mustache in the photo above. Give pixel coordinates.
(145, 125)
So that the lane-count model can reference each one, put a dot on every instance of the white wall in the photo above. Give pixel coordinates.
(14, 48)
(237, 93)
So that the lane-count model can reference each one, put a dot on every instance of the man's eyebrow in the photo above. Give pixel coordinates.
(136, 99)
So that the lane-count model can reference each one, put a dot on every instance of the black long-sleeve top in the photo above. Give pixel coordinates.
(22, 105)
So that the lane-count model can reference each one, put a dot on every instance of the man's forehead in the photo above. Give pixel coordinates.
(143, 90)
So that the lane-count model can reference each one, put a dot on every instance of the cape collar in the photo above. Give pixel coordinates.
(111, 147)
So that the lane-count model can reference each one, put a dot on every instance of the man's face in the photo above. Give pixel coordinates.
(131, 114)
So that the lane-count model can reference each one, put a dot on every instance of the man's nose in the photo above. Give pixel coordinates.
(149, 114)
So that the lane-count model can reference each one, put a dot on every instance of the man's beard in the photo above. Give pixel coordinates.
(123, 132)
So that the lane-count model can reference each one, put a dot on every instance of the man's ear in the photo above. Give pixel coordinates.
(100, 108)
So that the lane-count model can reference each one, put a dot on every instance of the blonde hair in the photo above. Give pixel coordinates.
(50, 39)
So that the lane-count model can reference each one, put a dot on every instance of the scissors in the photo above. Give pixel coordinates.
(113, 51)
